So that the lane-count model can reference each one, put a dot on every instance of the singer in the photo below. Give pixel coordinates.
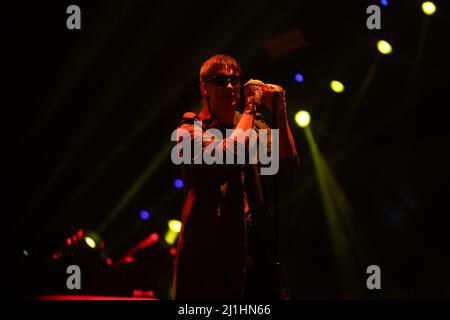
(225, 244)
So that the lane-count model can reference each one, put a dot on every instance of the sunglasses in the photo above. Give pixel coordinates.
(223, 81)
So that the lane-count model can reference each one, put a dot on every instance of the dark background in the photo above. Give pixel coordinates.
(89, 112)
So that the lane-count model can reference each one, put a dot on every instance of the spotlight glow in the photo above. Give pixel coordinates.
(175, 225)
(178, 183)
(384, 47)
(56, 255)
(298, 77)
(145, 215)
(384, 2)
(337, 86)
(428, 8)
(90, 242)
(302, 118)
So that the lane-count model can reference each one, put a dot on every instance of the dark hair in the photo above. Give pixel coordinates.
(215, 64)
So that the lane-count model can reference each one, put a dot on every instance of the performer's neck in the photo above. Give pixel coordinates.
(224, 115)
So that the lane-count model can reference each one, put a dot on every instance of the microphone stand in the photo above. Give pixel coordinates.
(266, 231)
(276, 262)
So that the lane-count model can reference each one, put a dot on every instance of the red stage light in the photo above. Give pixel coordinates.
(154, 237)
(56, 255)
(75, 297)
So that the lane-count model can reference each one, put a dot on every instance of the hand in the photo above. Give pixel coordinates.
(254, 92)
(274, 95)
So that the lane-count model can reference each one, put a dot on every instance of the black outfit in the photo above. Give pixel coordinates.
(216, 248)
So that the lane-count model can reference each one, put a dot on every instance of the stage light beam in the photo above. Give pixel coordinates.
(170, 237)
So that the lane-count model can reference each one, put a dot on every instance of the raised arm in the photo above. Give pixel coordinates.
(274, 98)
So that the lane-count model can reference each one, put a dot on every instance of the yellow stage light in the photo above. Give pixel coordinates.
(337, 86)
(428, 8)
(384, 47)
(302, 118)
(175, 225)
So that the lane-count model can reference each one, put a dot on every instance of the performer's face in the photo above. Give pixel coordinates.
(223, 90)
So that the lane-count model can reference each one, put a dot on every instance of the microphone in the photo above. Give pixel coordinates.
(254, 92)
